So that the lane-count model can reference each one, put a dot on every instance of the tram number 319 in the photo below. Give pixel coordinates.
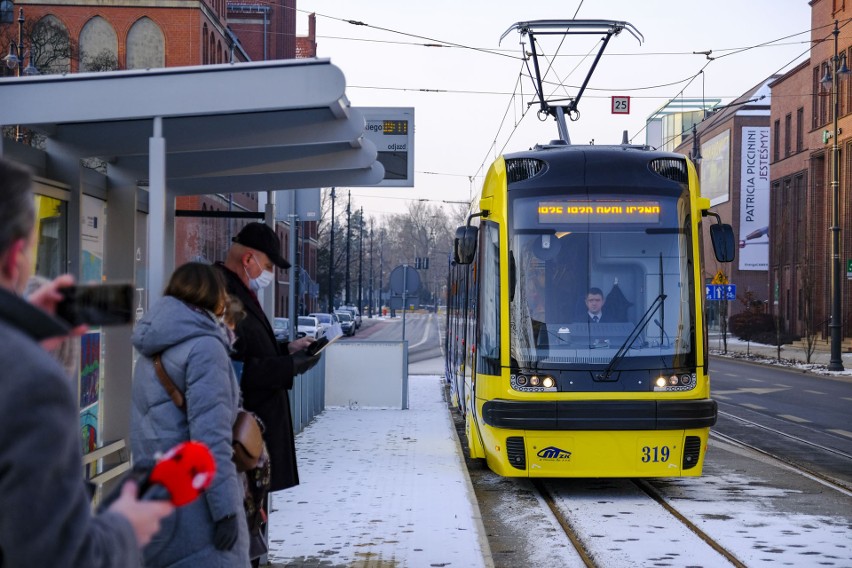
(655, 454)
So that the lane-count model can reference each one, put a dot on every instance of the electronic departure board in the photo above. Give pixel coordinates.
(391, 130)
(646, 212)
(395, 127)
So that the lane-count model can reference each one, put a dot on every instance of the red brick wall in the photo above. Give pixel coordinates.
(181, 27)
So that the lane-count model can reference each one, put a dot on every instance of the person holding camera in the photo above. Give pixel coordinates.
(45, 511)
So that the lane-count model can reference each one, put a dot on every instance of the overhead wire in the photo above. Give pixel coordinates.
(716, 116)
(561, 84)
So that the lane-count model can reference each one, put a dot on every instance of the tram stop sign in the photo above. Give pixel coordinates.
(404, 280)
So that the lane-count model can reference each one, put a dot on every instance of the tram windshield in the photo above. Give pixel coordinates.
(601, 279)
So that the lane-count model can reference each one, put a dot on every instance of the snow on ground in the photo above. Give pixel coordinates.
(791, 357)
(389, 486)
(380, 485)
(752, 517)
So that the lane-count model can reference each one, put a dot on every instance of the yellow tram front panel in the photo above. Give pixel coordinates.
(557, 454)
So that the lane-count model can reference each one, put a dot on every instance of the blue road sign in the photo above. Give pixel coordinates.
(720, 291)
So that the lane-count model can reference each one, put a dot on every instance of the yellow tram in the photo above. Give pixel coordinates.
(545, 389)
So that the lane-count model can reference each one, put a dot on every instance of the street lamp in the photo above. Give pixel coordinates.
(838, 71)
(15, 60)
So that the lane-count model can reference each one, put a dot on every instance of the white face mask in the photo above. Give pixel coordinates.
(262, 281)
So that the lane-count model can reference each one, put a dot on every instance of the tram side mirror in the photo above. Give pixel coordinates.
(464, 245)
(722, 236)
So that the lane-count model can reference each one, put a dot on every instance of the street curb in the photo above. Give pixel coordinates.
(488, 558)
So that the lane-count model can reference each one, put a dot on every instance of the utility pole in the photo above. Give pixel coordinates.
(372, 282)
(381, 267)
(361, 260)
(331, 260)
(348, 243)
(835, 326)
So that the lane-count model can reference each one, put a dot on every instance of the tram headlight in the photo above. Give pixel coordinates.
(533, 383)
(675, 382)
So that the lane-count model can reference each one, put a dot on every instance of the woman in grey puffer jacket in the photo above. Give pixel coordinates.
(184, 327)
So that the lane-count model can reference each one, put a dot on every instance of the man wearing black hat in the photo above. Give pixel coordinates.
(268, 369)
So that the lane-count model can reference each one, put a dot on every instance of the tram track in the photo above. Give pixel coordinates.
(581, 533)
(826, 480)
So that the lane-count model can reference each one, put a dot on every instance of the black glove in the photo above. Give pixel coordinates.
(302, 362)
(225, 533)
(140, 473)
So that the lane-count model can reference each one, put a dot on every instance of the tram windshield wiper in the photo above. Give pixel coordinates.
(634, 335)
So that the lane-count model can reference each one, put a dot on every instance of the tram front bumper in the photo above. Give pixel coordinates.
(600, 414)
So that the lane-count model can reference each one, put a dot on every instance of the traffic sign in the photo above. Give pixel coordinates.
(720, 278)
(404, 281)
(849, 269)
(620, 105)
(720, 291)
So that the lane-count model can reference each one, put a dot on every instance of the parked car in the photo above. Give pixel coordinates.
(347, 324)
(327, 321)
(356, 315)
(281, 328)
(311, 327)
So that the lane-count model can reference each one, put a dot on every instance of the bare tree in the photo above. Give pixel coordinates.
(104, 60)
(807, 288)
(47, 45)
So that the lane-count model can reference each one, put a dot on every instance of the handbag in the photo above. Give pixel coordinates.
(247, 433)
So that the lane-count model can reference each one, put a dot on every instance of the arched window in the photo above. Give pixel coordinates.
(219, 51)
(145, 45)
(51, 46)
(212, 55)
(98, 46)
(205, 50)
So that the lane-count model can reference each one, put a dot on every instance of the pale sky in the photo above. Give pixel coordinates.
(458, 129)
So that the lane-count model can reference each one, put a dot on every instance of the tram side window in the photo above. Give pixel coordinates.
(488, 346)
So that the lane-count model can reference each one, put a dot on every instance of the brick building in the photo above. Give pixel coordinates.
(802, 172)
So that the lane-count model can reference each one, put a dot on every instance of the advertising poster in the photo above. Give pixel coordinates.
(90, 369)
(89, 434)
(92, 223)
(754, 199)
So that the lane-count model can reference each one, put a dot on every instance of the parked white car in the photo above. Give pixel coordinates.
(330, 322)
(311, 327)
(356, 315)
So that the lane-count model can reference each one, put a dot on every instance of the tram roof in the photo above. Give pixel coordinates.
(603, 166)
(253, 126)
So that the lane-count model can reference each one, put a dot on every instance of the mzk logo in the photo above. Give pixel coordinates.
(554, 453)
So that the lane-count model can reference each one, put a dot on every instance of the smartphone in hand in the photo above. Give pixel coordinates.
(317, 346)
(96, 304)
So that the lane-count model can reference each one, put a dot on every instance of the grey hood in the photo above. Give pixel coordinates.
(170, 322)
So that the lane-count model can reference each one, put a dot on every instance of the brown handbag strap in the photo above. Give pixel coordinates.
(168, 384)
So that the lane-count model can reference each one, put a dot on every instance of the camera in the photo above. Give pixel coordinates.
(96, 304)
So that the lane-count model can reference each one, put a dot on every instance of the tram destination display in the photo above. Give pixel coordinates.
(598, 212)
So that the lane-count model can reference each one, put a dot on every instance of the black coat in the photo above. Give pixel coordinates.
(266, 378)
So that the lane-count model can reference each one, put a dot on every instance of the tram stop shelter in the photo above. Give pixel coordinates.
(163, 133)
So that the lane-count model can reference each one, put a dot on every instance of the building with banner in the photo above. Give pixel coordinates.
(730, 148)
